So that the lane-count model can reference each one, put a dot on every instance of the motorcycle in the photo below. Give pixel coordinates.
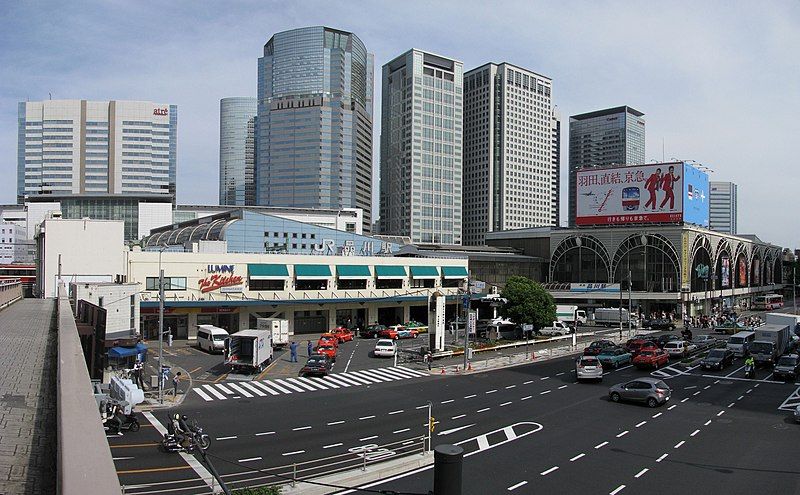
(129, 423)
(196, 439)
(749, 371)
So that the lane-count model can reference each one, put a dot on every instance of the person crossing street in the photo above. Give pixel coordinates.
(293, 352)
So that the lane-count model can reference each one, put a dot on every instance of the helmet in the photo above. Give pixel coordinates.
(185, 417)
(177, 416)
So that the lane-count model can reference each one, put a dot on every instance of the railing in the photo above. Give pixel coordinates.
(10, 292)
(84, 459)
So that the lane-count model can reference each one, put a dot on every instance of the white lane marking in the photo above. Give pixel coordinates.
(526, 397)
(226, 438)
(250, 459)
(678, 445)
(731, 404)
(297, 382)
(716, 381)
(348, 379)
(373, 437)
(707, 423)
(335, 423)
(505, 404)
(332, 445)
(707, 387)
(656, 415)
(399, 411)
(544, 378)
(225, 389)
(412, 372)
(673, 406)
(577, 457)
(483, 410)
(617, 490)
(202, 394)
(514, 487)
(684, 400)
(366, 417)
(528, 382)
(545, 392)
(280, 388)
(121, 458)
(696, 393)
(689, 388)
(559, 374)
(447, 401)
(368, 377)
(740, 397)
(510, 387)
(600, 445)
(641, 424)
(253, 389)
(313, 382)
(294, 453)
(422, 407)
(765, 379)
(408, 443)
(469, 396)
(401, 431)
(563, 387)
(695, 432)
(749, 390)
(625, 367)
(640, 473)
(757, 384)
(240, 390)
(622, 434)
(733, 372)
(389, 373)
(545, 473)
(214, 392)
(301, 428)
(333, 378)
(453, 430)
(355, 379)
(720, 413)
(265, 433)
(459, 416)
(663, 456)
(351, 358)
(491, 391)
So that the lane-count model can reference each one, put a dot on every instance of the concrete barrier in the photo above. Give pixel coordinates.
(10, 292)
(84, 462)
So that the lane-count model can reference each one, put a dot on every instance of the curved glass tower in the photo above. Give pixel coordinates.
(237, 118)
(314, 123)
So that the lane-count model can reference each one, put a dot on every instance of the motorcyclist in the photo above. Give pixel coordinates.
(177, 426)
(750, 362)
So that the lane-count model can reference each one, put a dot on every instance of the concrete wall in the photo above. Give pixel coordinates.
(116, 299)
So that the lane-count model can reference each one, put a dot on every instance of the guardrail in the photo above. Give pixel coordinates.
(10, 292)
(84, 462)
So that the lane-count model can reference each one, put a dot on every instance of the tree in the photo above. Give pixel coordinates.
(528, 302)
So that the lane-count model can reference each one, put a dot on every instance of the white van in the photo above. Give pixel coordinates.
(740, 342)
(211, 338)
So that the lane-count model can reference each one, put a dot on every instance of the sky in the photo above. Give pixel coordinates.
(719, 82)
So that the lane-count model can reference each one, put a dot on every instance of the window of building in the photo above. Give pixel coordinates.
(382, 283)
(451, 282)
(170, 283)
(321, 284)
(275, 285)
(354, 284)
(427, 283)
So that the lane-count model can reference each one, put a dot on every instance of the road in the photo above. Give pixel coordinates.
(740, 433)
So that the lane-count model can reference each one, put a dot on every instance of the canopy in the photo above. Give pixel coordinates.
(353, 272)
(267, 271)
(454, 272)
(390, 272)
(311, 272)
(123, 352)
(424, 272)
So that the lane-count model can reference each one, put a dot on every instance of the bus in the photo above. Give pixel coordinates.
(768, 302)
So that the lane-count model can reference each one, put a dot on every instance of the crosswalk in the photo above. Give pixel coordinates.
(791, 402)
(280, 386)
(670, 372)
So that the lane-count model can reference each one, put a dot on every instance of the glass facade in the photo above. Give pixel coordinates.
(314, 122)
(237, 151)
(603, 138)
(723, 207)
(104, 208)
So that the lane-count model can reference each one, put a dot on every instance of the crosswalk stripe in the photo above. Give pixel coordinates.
(375, 379)
(402, 372)
(240, 390)
(225, 389)
(413, 372)
(289, 385)
(377, 373)
(300, 384)
(214, 392)
(282, 389)
(358, 379)
(345, 378)
(327, 383)
(393, 374)
(313, 382)
(249, 386)
(263, 386)
(202, 394)
(330, 378)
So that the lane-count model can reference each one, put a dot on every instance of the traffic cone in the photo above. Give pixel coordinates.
(469, 366)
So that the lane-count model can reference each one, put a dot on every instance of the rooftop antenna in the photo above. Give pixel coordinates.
(50, 94)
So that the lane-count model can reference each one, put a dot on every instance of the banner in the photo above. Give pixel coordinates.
(725, 272)
(685, 268)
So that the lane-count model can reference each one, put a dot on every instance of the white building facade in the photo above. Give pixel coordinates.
(14, 245)
(120, 301)
(508, 151)
(723, 207)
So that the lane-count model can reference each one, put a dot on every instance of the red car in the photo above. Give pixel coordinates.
(342, 334)
(388, 333)
(327, 349)
(328, 338)
(650, 358)
(635, 346)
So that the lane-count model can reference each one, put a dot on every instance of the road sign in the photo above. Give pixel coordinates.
(465, 301)
(472, 322)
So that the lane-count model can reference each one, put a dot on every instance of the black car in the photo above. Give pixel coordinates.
(787, 367)
(317, 365)
(371, 332)
(662, 340)
(659, 324)
(717, 359)
(597, 347)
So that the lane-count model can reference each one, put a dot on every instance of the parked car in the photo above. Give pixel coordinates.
(588, 368)
(651, 359)
(385, 348)
(659, 324)
(787, 367)
(371, 332)
(717, 359)
(328, 350)
(614, 357)
(597, 346)
(731, 327)
(679, 348)
(342, 334)
(662, 340)
(317, 365)
(651, 391)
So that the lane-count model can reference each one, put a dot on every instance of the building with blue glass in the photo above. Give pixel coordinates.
(237, 118)
(314, 121)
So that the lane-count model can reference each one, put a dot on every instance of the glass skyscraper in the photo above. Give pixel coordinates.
(723, 207)
(237, 117)
(614, 136)
(314, 122)
(421, 145)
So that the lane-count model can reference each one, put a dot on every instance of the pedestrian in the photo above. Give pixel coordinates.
(310, 348)
(428, 359)
(175, 380)
(293, 352)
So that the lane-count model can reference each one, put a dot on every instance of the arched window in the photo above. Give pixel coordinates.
(652, 262)
(579, 259)
(723, 274)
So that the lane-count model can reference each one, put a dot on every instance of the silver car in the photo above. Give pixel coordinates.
(651, 391)
(588, 368)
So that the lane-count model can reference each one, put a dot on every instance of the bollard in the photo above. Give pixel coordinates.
(447, 469)
(294, 473)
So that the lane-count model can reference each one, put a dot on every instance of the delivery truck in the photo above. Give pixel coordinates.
(785, 319)
(248, 351)
(279, 329)
(610, 317)
(568, 313)
(770, 342)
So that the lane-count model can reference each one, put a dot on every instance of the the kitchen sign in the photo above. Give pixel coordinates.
(221, 277)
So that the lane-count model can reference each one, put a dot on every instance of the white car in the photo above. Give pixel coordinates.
(385, 348)
(679, 348)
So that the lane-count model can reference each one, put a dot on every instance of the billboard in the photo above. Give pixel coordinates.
(656, 193)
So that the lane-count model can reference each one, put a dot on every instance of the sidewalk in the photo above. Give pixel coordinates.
(28, 351)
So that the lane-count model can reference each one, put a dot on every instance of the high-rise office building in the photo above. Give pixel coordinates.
(555, 128)
(314, 123)
(614, 136)
(508, 150)
(106, 147)
(421, 145)
(237, 118)
(722, 205)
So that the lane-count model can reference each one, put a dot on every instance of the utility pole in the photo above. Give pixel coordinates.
(620, 308)
(630, 307)
(466, 326)
(160, 332)
(794, 289)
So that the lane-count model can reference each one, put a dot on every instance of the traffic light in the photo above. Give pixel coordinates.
(432, 424)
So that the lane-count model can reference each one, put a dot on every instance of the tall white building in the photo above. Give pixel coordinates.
(421, 148)
(508, 151)
(14, 245)
(723, 207)
(555, 182)
(110, 147)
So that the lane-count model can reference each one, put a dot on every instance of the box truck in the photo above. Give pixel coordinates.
(567, 314)
(610, 317)
(770, 342)
(278, 327)
(248, 350)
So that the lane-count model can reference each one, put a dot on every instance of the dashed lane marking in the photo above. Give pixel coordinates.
(617, 490)
(469, 396)
(720, 413)
(448, 401)
(364, 418)
(401, 431)
(372, 437)
(294, 453)
(641, 424)
(731, 404)
(459, 416)
(695, 432)
(545, 392)
(510, 387)
(577, 457)
(622, 434)
(707, 423)
(673, 406)
(250, 459)
(332, 445)
(400, 411)
(483, 410)
(640, 473)
(548, 471)
(505, 404)
(663, 456)
(600, 445)
(656, 415)
(514, 487)
(301, 428)
(678, 445)
(263, 433)
(563, 387)
(332, 423)
(526, 397)
(491, 391)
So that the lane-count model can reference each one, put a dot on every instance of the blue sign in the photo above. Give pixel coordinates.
(695, 196)
(466, 302)
(220, 268)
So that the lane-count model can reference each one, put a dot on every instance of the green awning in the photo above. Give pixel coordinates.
(267, 272)
(353, 272)
(424, 272)
(454, 272)
(390, 272)
(311, 272)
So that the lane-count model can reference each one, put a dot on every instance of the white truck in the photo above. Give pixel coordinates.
(279, 328)
(569, 313)
(770, 342)
(610, 317)
(785, 319)
(248, 350)
(558, 328)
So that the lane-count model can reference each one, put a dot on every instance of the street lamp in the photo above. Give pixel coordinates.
(161, 326)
